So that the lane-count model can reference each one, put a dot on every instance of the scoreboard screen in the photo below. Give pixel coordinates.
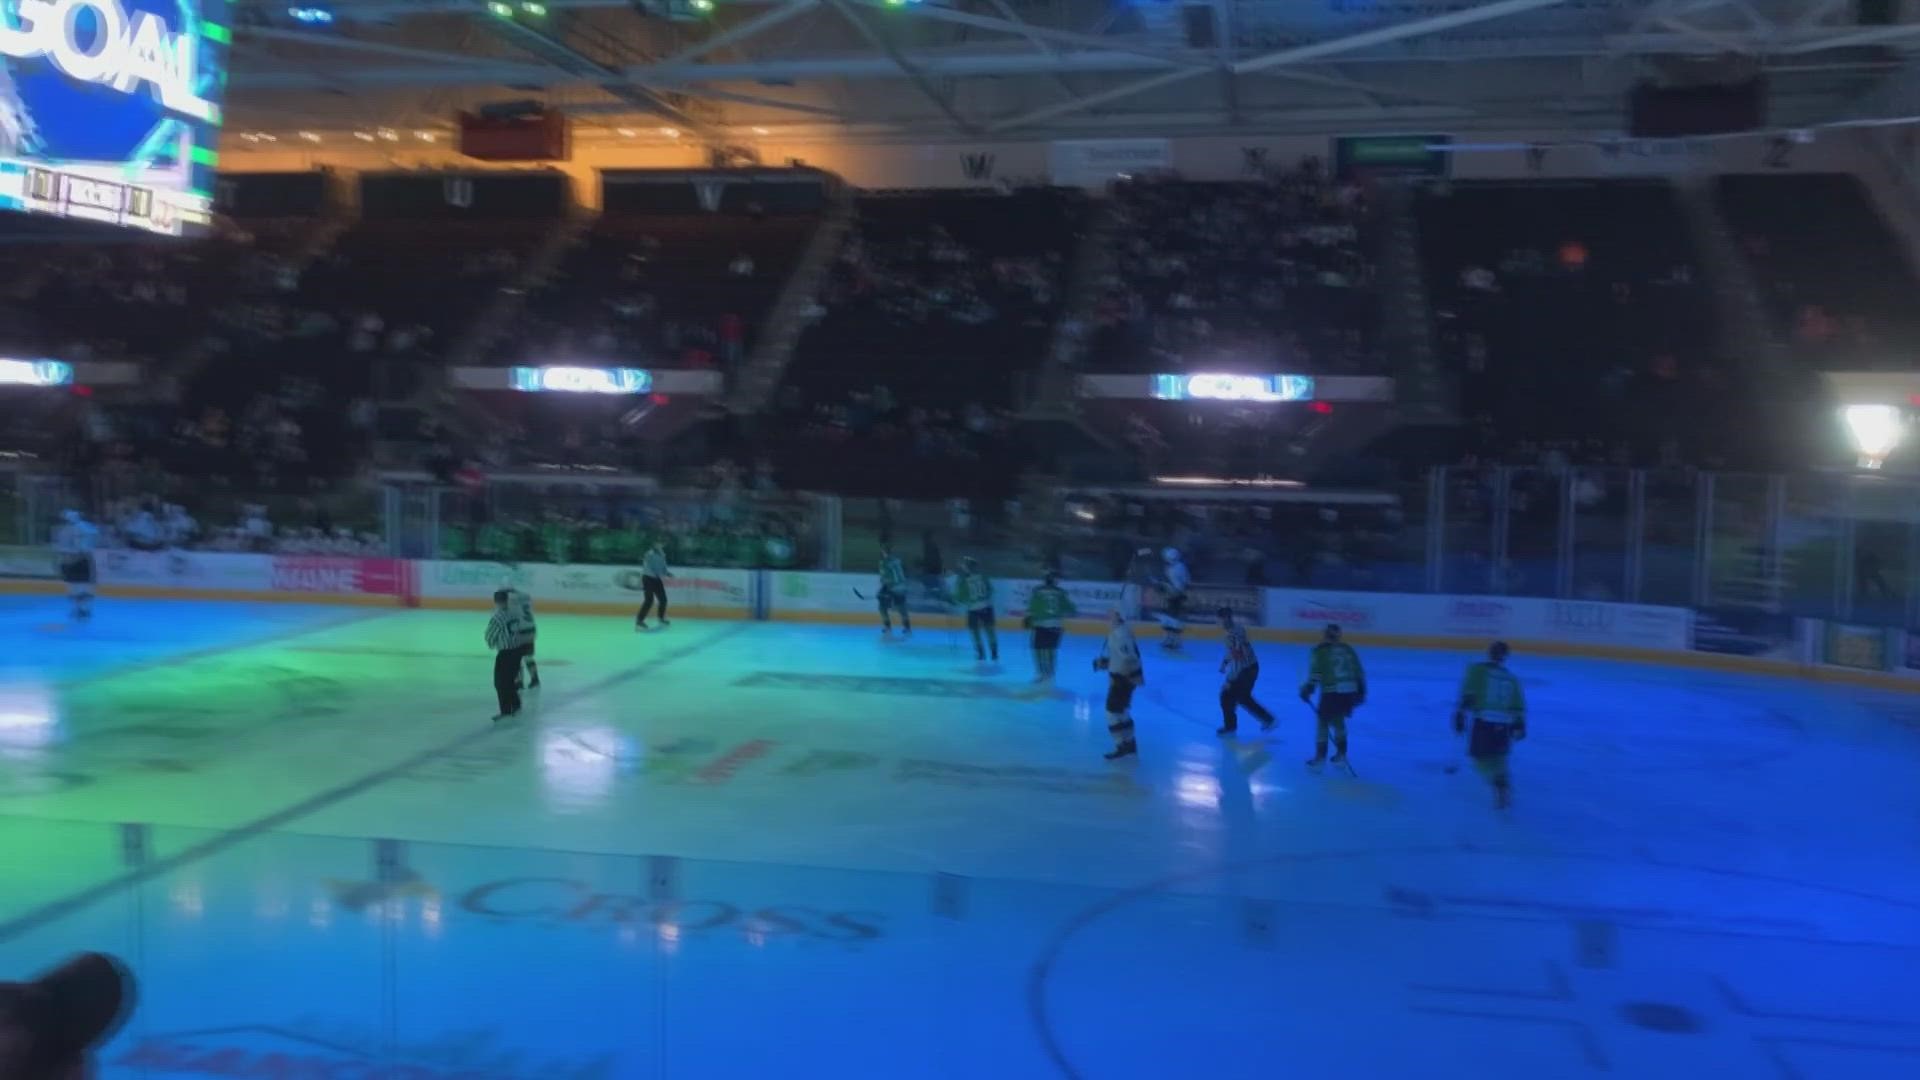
(109, 110)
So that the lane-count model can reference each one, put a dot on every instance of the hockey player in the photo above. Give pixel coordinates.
(1491, 696)
(1334, 669)
(1120, 659)
(1242, 669)
(893, 593)
(1047, 610)
(74, 541)
(1141, 573)
(522, 604)
(973, 593)
(1175, 579)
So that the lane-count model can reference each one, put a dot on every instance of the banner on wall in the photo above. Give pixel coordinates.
(185, 570)
(341, 575)
(1762, 635)
(1096, 162)
(1862, 648)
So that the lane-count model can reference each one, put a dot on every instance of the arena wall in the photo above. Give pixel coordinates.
(1725, 640)
(957, 162)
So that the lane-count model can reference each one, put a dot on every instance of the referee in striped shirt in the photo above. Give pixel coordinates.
(1242, 669)
(509, 638)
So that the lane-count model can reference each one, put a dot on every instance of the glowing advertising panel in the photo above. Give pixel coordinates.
(1213, 386)
(109, 109)
(35, 373)
(581, 380)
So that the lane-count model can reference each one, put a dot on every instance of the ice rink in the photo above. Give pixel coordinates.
(782, 850)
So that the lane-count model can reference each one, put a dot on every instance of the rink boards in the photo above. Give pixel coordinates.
(1724, 639)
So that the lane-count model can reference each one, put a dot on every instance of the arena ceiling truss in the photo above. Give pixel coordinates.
(947, 70)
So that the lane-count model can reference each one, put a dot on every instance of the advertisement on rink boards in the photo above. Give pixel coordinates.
(795, 590)
(1593, 622)
(1520, 618)
(1861, 648)
(26, 562)
(341, 575)
(239, 572)
(801, 590)
(1762, 635)
(690, 586)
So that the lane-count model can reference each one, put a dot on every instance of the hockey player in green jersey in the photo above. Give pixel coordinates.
(893, 593)
(1334, 669)
(1047, 609)
(973, 593)
(1491, 697)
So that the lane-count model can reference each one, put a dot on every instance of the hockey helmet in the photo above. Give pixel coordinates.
(1171, 554)
(1331, 633)
(1497, 652)
(71, 517)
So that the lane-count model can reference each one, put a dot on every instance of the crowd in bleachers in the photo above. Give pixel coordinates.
(1576, 313)
(937, 305)
(660, 290)
(1834, 277)
(1575, 316)
(1276, 274)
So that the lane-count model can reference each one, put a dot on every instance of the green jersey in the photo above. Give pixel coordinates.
(1491, 693)
(893, 576)
(1335, 668)
(973, 592)
(1048, 605)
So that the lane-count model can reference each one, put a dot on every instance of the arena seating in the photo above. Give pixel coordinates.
(939, 303)
(1572, 311)
(1834, 275)
(664, 290)
(1277, 274)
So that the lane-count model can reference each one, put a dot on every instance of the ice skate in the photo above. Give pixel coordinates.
(1227, 732)
(1125, 749)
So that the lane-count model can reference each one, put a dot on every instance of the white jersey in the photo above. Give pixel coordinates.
(1178, 577)
(521, 604)
(1121, 651)
(75, 539)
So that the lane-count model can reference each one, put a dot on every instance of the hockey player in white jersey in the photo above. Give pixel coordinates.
(1120, 659)
(1175, 580)
(521, 604)
(74, 541)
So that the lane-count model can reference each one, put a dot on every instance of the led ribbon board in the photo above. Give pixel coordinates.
(35, 373)
(109, 109)
(581, 380)
(1215, 386)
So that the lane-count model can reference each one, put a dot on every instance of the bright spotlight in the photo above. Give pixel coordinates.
(1876, 430)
